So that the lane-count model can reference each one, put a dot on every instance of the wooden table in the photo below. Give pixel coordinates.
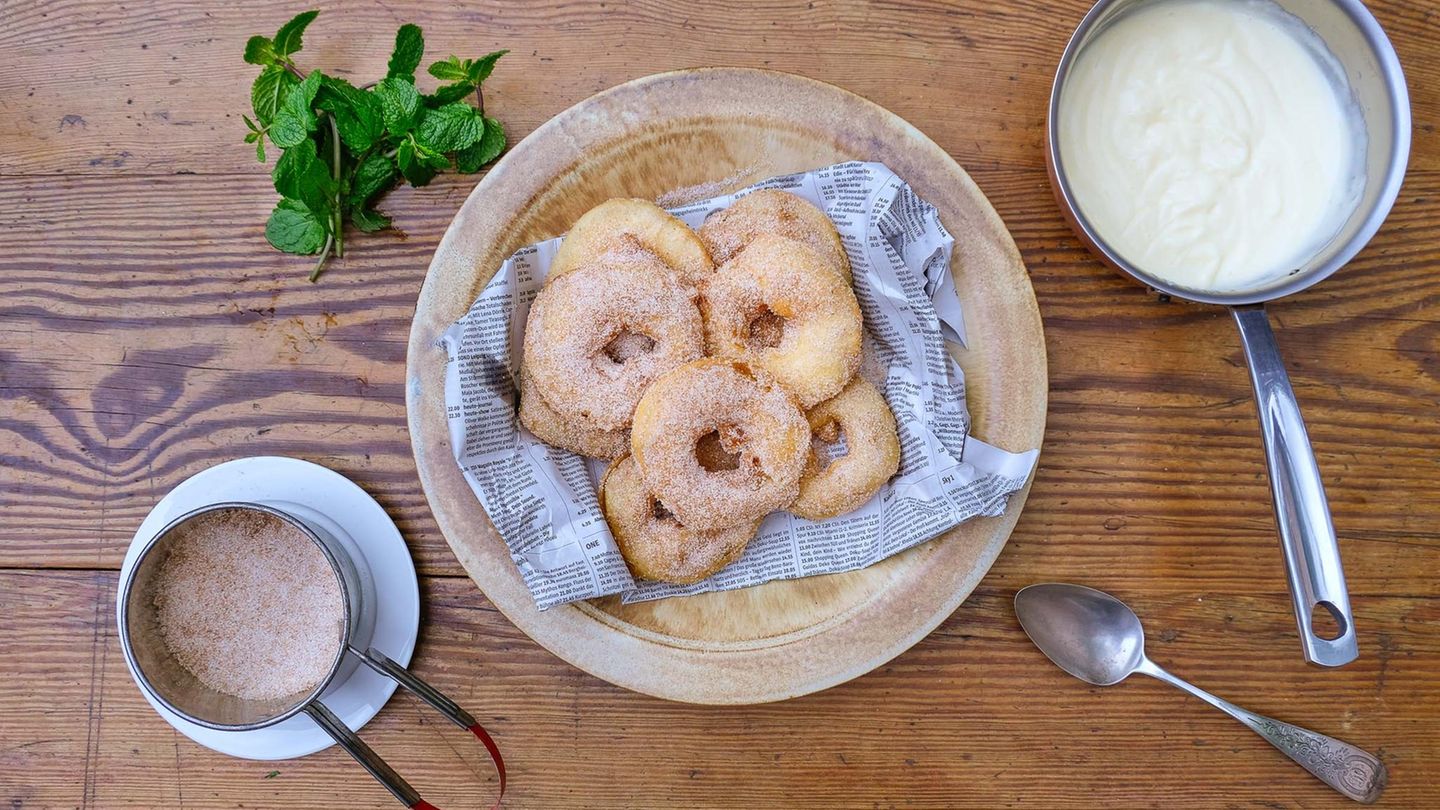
(147, 332)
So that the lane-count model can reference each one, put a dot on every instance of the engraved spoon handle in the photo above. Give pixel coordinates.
(1355, 773)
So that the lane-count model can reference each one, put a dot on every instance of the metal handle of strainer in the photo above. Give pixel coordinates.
(371, 761)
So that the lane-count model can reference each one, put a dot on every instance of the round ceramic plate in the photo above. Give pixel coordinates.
(719, 130)
(334, 502)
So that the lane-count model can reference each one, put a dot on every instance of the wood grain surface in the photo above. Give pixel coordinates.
(146, 332)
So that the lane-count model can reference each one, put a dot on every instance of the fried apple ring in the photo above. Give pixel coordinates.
(598, 335)
(568, 434)
(872, 452)
(628, 223)
(777, 212)
(778, 306)
(757, 423)
(654, 544)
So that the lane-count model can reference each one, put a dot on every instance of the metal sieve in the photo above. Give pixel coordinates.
(176, 688)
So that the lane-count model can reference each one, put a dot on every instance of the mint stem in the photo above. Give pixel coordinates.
(290, 66)
(339, 226)
(324, 254)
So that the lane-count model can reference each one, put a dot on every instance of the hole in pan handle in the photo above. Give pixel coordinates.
(371, 761)
(1312, 555)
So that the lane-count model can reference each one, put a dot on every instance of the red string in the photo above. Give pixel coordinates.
(495, 757)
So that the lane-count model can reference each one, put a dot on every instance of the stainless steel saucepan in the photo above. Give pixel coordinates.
(1312, 557)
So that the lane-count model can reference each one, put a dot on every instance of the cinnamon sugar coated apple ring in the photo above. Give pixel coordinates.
(778, 306)
(654, 544)
(622, 223)
(872, 452)
(587, 329)
(568, 434)
(757, 422)
(772, 211)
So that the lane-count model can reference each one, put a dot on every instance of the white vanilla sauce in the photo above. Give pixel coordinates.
(1211, 143)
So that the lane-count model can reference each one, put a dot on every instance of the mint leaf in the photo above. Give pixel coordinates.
(269, 90)
(287, 39)
(489, 147)
(399, 104)
(449, 93)
(417, 163)
(260, 51)
(466, 75)
(295, 120)
(300, 175)
(374, 175)
(304, 93)
(454, 126)
(294, 229)
(289, 130)
(432, 158)
(410, 165)
(369, 220)
(256, 135)
(409, 48)
(451, 70)
(357, 113)
(480, 69)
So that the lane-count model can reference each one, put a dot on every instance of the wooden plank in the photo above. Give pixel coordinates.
(115, 387)
(96, 87)
(971, 717)
(146, 332)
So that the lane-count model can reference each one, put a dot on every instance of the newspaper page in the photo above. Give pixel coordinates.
(543, 500)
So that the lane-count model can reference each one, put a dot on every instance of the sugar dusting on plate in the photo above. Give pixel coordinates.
(685, 195)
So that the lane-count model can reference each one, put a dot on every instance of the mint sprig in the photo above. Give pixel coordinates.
(342, 147)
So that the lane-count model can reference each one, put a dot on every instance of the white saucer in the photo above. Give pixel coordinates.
(345, 510)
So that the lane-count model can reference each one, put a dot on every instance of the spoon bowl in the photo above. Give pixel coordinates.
(1088, 633)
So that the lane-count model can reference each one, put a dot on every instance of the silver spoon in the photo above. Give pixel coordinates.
(1098, 639)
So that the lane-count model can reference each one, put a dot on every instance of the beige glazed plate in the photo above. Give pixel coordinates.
(722, 129)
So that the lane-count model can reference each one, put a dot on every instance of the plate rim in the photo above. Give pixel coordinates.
(542, 627)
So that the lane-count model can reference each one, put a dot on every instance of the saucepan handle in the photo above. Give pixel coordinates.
(1312, 556)
(371, 761)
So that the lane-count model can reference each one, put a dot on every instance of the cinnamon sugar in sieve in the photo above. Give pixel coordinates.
(249, 605)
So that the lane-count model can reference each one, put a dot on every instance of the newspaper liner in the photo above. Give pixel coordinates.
(542, 500)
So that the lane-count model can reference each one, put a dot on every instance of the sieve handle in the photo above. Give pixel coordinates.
(371, 761)
(382, 664)
(363, 754)
(1312, 555)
